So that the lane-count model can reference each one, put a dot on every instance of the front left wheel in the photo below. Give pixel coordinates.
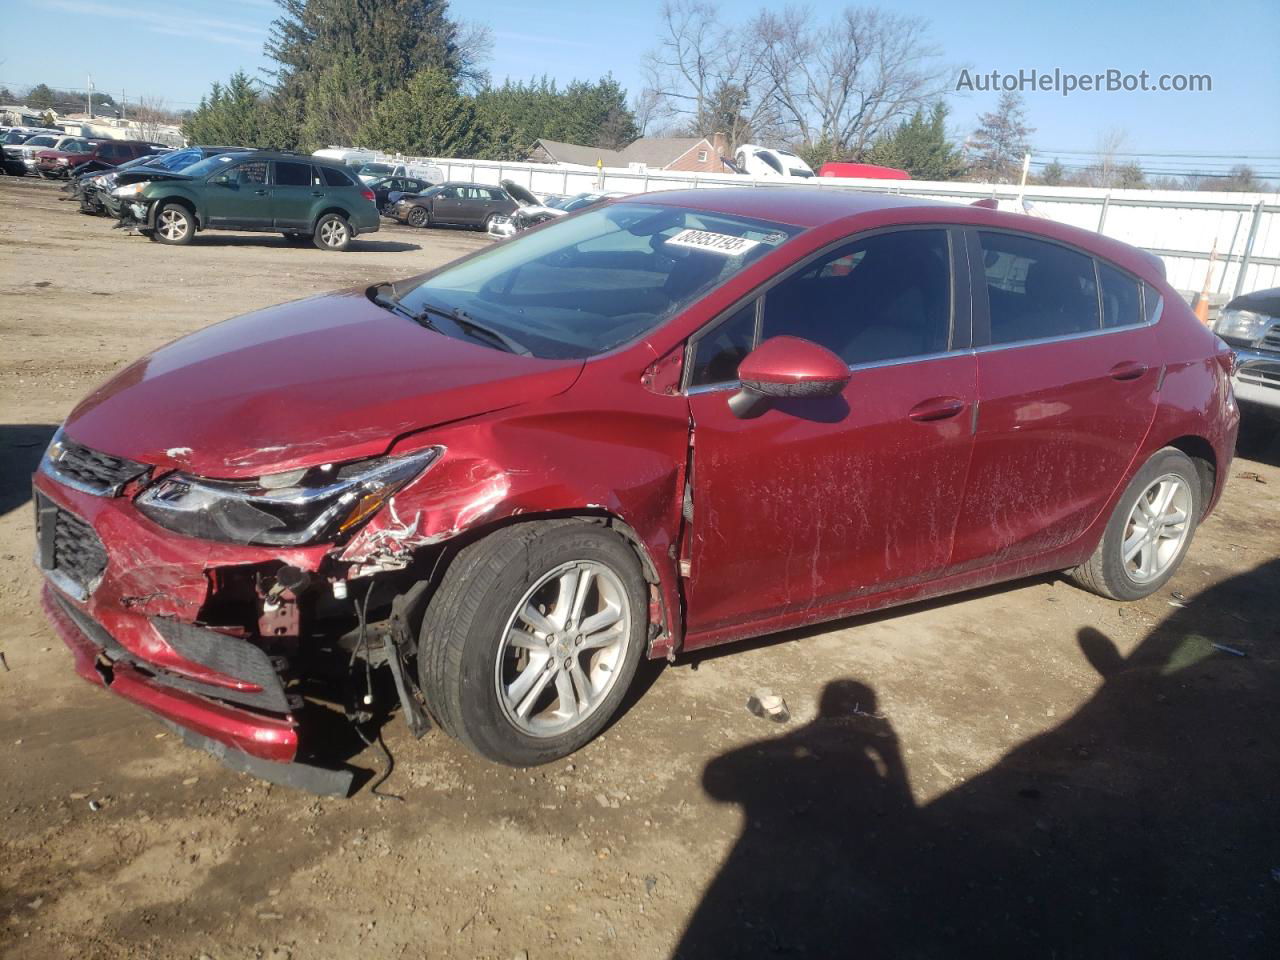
(529, 644)
(174, 224)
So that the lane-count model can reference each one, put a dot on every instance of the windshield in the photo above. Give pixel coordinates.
(178, 160)
(598, 280)
(211, 164)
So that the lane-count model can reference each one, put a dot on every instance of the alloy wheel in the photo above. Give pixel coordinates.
(562, 648)
(333, 233)
(172, 225)
(1157, 528)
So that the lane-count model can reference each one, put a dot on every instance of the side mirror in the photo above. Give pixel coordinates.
(784, 367)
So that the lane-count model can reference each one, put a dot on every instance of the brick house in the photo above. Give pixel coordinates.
(693, 154)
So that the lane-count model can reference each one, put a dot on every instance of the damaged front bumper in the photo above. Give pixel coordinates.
(128, 601)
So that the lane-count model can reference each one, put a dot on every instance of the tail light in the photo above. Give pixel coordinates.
(368, 195)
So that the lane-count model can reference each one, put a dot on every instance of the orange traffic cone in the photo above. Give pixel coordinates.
(1202, 302)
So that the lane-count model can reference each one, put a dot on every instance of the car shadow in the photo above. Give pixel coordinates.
(21, 447)
(358, 245)
(1141, 826)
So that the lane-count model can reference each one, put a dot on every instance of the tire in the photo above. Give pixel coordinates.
(332, 233)
(417, 217)
(469, 667)
(488, 222)
(1108, 572)
(174, 225)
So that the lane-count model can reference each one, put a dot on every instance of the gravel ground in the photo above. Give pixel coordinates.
(1026, 769)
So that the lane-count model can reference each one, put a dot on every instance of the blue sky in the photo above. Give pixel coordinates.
(176, 50)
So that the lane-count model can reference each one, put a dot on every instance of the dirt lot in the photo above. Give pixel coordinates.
(1028, 770)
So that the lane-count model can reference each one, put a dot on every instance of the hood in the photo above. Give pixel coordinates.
(520, 195)
(321, 380)
(138, 174)
(1259, 301)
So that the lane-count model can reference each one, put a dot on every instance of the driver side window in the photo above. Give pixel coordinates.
(884, 297)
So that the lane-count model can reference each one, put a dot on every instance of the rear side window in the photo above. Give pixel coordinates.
(290, 174)
(1037, 289)
(1121, 297)
(718, 353)
(1152, 303)
(333, 177)
(885, 297)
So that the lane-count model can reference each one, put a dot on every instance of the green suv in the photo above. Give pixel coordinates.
(301, 197)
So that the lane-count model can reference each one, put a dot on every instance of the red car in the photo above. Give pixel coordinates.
(663, 423)
(101, 153)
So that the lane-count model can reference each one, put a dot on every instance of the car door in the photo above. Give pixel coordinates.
(446, 206)
(296, 189)
(1068, 381)
(819, 501)
(240, 197)
(471, 204)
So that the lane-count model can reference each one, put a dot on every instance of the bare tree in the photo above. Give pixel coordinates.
(843, 83)
(150, 115)
(474, 42)
(706, 76)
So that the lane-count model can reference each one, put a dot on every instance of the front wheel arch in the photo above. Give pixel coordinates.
(664, 626)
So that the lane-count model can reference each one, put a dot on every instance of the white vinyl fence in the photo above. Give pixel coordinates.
(1182, 227)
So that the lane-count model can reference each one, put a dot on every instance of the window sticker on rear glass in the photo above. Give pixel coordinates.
(723, 243)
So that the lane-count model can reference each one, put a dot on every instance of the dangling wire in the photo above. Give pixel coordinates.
(362, 642)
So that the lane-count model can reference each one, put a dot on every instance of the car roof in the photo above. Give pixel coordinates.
(795, 206)
(809, 207)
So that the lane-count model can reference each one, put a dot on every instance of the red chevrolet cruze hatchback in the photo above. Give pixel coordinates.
(669, 422)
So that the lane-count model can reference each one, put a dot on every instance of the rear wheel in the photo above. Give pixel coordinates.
(1149, 531)
(530, 642)
(417, 217)
(332, 232)
(174, 224)
(488, 222)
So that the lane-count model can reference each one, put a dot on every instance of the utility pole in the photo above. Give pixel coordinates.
(88, 96)
(122, 104)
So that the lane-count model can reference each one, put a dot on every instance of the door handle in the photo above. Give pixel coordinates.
(1127, 370)
(260, 193)
(317, 193)
(936, 408)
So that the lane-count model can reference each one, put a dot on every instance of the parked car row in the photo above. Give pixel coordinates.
(56, 155)
(173, 197)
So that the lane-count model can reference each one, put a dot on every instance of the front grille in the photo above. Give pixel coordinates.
(90, 470)
(69, 550)
(1271, 340)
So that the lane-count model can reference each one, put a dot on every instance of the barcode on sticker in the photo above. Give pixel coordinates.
(724, 243)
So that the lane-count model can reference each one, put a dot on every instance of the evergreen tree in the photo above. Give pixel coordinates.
(40, 97)
(921, 147)
(1053, 174)
(428, 117)
(231, 115)
(392, 39)
(1000, 141)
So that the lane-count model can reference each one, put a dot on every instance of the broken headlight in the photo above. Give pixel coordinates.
(290, 509)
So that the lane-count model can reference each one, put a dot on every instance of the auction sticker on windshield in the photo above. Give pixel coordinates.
(724, 243)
